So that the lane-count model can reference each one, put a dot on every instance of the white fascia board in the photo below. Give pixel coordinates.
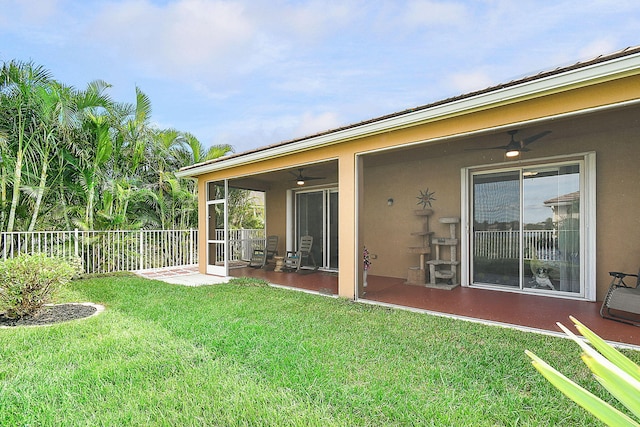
(537, 87)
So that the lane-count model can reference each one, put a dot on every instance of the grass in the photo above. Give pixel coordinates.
(238, 355)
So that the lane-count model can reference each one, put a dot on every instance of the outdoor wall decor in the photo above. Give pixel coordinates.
(425, 198)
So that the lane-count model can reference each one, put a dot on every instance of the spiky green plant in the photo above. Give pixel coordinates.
(617, 373)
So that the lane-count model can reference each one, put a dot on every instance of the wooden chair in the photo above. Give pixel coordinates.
(622, 302)
(293, 259)
(261, 257)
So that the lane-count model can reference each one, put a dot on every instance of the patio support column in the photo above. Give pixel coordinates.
(202, 225)
(347, 225)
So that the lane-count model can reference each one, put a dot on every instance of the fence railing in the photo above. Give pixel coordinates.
(506, 244)
(242, 243)
(108, 251)
(126, 250)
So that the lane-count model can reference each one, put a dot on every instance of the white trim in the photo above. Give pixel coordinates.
(589, 208)
(325, 191)
(290, 224)
(215, 269)
(538, 87)
(358, 209)
(465, 255)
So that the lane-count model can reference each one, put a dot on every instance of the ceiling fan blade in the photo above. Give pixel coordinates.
(515, 145)
(535, 137)
(502, 147)
(300, 177)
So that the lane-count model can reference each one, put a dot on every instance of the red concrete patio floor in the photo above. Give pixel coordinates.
(520, 310)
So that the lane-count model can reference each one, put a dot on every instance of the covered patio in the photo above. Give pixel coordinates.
(510, 309)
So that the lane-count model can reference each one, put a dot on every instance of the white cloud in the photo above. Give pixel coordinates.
(312, 19)
(209, 93)
(310, 124)
(180, 38)
(469, 81)
(216, 42)
(251, 131)
(597, 48)
(436, 13)
(32, 23)
(20, 13)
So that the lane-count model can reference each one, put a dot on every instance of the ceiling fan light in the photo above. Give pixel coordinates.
(300, 182)
(512, 153)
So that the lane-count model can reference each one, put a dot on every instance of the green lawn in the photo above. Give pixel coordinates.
(238, 355)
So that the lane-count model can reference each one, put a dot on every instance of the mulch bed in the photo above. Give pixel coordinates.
(51, 314)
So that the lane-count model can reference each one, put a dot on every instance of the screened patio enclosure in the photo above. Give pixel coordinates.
(291, 210)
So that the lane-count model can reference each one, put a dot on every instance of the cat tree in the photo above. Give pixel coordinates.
(445, 269)
(417, 275)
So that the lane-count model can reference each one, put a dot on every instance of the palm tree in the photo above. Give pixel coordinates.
(20, 85)
(83, 159)
(166, 145)
(55, 114)
(74, 150)
(197, 153)
(3, 176)
(194, 152)
(240, 201)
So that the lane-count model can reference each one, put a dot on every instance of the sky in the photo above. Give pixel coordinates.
(251, 73)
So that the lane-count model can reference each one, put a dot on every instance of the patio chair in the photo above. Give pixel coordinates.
(622, 302)
(293, 259)
(261, 257)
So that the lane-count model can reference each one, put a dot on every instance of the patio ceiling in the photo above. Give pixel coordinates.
(267, 180)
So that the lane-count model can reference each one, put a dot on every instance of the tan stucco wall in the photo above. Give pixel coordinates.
(276, 214)
(387, 229)
(442, 174)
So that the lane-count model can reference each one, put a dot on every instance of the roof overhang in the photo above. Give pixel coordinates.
(541, 85)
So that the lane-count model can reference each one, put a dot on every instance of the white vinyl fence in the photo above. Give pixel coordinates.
(506, 244)
(129, 250)
(108, 251)
(242, 243)
(125, 250)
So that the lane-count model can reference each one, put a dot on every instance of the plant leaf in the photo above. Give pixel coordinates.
(599, 408)
(623, 387)
(608, 351)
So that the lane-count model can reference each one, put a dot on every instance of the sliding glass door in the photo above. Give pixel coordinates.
(496, 228)
(317, 216)
(526, 228)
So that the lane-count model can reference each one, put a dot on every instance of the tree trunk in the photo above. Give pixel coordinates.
(17, 176)
(40, 193)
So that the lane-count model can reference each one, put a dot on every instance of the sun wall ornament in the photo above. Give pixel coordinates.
(425, 198)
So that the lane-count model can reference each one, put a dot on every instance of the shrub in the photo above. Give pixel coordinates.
(77, 264)
(28, 281)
